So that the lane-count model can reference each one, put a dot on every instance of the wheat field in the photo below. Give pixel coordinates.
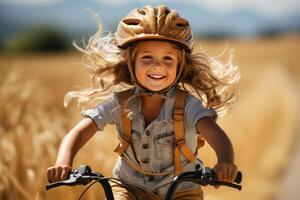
(263, 125)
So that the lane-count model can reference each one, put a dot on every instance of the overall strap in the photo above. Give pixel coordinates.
(126, 137)
(126, 123)
(180, 143)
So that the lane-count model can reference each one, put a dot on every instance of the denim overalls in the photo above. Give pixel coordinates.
(153, 145)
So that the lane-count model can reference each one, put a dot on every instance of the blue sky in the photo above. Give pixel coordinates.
(266, 7)
(233, 17)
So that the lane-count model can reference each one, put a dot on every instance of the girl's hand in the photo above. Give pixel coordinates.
(58, 173)
(71, 144)
(226, 172)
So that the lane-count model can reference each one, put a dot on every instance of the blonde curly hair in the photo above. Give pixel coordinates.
(206, 77)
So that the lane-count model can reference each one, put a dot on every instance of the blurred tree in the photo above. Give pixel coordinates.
(1, 45)
(43, 38)
(213, 35)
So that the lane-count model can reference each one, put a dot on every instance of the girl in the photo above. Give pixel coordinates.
(158, 119)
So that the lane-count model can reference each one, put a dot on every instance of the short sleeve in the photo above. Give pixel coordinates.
(194, 111)
(104, 113)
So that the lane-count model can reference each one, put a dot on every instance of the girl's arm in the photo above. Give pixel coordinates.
(225, 168)
(70, 145)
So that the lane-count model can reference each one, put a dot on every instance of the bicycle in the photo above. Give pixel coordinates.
(202, 175)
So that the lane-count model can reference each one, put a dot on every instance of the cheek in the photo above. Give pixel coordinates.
(139, 71)
(173, 72)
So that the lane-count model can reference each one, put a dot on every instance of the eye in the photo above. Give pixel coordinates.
(168, 59)
(147, 58)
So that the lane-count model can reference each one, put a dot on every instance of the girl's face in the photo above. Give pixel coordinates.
(156, 64)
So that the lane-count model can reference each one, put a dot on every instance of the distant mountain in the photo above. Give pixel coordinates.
(71, 17)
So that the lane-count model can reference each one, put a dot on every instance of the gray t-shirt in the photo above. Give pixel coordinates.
(154, 144)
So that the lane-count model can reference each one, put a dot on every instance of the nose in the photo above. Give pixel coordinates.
(158, 65)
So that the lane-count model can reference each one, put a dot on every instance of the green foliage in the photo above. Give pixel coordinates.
(38, 39)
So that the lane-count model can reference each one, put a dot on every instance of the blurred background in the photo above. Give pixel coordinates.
(38, 65)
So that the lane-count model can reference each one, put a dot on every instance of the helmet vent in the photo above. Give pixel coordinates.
(131, 22)
(167, 11)
(155, 11)
(141, 11)
(181, 25)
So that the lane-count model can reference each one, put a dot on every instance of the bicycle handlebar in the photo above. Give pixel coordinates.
(82, 176)
(203, 176)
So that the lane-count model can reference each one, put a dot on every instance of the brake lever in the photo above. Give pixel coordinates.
(68, 182)
(81, 176)
(208, 177)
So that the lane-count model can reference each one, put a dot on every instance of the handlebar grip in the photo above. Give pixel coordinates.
(238, 178)
(239, 187)
(53, 185)
(69, 182)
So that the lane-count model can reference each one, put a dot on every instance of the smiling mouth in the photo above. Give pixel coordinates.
(156, 76)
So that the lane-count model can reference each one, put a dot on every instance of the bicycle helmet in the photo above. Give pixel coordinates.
(157, 23)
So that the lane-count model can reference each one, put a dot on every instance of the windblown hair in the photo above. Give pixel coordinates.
(216, 83)
(205, 77)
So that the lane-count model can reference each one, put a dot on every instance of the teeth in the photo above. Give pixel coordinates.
(156, 76)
